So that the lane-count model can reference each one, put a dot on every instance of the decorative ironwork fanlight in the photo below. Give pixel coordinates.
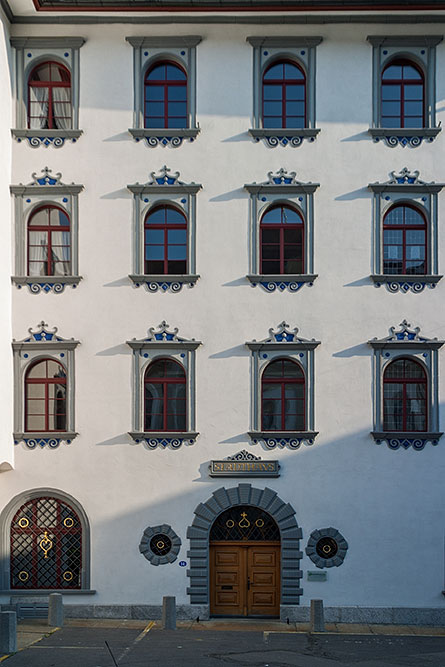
(46, 546)
(242, 523)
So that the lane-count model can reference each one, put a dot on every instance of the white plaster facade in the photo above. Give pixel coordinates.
(389, 505)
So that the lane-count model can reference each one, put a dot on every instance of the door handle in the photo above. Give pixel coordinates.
(248, 583)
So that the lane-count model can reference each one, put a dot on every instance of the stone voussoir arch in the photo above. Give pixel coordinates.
(244, 494)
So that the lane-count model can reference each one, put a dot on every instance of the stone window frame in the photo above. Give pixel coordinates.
(281, 512)
(281, 188)
(165, 344)
(43, 343)
(336, 560)
(302, 50)
(421, 49)
(406, 343)
(6, 517)
(146, 51)
(282, 343)
(164, 188)
(154, 559)
(406, 188)
(46, 189)
(30, 51)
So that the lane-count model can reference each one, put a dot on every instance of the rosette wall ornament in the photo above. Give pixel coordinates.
(282, 389)
(406, 248)
(46, 218)
(44, 388)
(163, 389)
(281, 232)
(164, 226)
(406, 388)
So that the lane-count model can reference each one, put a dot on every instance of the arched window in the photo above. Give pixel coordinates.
(49, 97)
(403, 95)
(46, 546)
(165, 241)
(165, 98)
(283, 396)
(165, 396)
(405, 396)
(49, 242)
(45, 396)
(404, 241)
(282, 241)
(284, 96)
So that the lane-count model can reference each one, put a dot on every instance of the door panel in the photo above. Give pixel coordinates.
(263, 568)
(245, 580)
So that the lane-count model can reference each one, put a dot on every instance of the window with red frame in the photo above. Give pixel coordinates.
(165, 96)
(165, 396)
(46, 546)
(165, 241)
(284, 96)
(49, 97)
(404, 241)
(45, 397)
(282, 241)
(283, 396)
(405, 396)
(403, 95)
(49, 242)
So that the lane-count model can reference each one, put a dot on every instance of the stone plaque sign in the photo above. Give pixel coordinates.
(244, 464)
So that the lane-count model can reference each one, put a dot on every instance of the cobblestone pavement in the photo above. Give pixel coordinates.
(142, 644)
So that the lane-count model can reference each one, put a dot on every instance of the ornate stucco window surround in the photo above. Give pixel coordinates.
(301, 50)
(46, 189)
(281, 188)
(43, 343)
(163, 189)
(180, 49)
(421, 50)
(163, 343)
(30, 52)
(407, 343)
(282, 343)
(406, 188)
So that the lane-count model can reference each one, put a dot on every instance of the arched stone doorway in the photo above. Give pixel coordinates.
(281, 514)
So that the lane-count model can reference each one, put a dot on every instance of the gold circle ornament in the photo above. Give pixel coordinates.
(68, 576)
(259, 523)
(230, 523)
(160, 544)
(23, 576)
(68, 522)
(23, 522)
(327, 548)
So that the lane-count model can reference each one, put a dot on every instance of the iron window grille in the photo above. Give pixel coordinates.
(242, 523)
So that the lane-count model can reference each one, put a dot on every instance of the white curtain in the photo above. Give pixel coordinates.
(38, 108)
(62, 108)
(61, 255)
(38, 253)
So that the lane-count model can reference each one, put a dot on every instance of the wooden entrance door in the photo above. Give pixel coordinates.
(245, 579)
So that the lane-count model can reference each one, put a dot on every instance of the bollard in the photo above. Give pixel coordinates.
(8, 632)
(55, 610)
(317, 616)
(169, 613)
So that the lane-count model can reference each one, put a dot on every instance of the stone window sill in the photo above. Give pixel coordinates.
(404, 136)
(284, 136)
(164, 282)
(54, 137)
(171, 439)
(416, 440)
(290, 281)
(291, 439)
(404, 283)
(43, 438)
(46, 284)
(47, 591)
(164, 136)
